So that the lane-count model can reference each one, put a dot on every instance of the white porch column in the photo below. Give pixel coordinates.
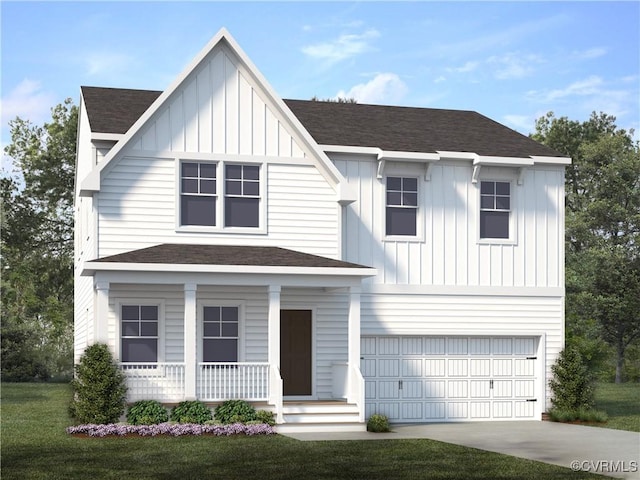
(190, 341)
(275, 383)
(101, 333)
(355, 393)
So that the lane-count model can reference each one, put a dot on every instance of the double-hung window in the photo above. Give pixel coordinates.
(139, 333)
(242, 196)
(203, 203)
(401, 206)
(495, 209)
(220, 334)
(198, 193)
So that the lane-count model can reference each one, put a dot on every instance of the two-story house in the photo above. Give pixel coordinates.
(324, 260)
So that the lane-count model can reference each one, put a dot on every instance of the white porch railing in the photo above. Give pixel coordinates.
(228, 381)
(158, 381)
(356, 387)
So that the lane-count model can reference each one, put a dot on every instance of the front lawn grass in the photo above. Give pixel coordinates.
(622, 404)
(35, 446)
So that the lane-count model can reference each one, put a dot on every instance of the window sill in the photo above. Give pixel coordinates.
(402, 239)
(223, 230)
(497, 241)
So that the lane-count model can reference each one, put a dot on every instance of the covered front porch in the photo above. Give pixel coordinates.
(285, 337)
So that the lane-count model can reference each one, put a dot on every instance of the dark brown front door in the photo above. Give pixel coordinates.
(295, 351)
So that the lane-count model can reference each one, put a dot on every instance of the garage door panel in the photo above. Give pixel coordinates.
(480, 410)
(457, 367)
(502, 367)
(435, 410)
(435, 389)
(412, 346)
(412, 367)
(457, 389)
(388, 368)
(435, 367)
(480, 367)
(412, 411)
(480, 389)
(412, 389)
(388, 389)
(424, 378)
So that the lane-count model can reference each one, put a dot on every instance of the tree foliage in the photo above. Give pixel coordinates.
(602, 231)
(37, 248)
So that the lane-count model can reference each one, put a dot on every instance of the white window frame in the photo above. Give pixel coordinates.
(513, 234)
(240, 305)
(146, 302)
(221, 161)
(420, 207)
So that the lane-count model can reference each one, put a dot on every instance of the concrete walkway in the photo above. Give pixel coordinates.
(605, 451)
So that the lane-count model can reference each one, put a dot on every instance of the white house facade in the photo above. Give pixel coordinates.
(324, 260)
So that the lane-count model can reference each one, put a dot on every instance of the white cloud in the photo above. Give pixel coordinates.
(100, 63)
(440, 79)
(28, 101)
(384, 88)
(590, 53)
(514, 65)
(342, 48)
(522, 123)
(466, 68)
(589, 86)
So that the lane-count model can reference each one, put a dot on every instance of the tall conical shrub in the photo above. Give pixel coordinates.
(99, 388)
(572, 383)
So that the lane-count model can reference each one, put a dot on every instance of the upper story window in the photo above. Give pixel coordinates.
(204, 203)
(139, 333)
(198, 193)
(495, 209)
(401, 206)
(220, 334)
(242, 196)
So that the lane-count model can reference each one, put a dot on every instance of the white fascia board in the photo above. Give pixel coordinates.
(375, 151)
(91, 183)
(503, 161)
(551, 160)
(419, 157)
(110, 137)
(91, 267)
(450, 155)
(466, 290)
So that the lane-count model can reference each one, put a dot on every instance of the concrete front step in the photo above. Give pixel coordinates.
(319, 408)
(320, 427)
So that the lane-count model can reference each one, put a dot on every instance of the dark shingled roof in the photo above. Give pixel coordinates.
(179, 254)
(406, 129)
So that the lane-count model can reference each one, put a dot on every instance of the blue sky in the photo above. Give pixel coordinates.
(511, 61)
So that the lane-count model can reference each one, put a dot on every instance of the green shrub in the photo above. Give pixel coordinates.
(99, 389)
(378, 423)
(264, 416)
(572, 383)
(191, 411)
(235, 411)
(581, 414)
(147, 412)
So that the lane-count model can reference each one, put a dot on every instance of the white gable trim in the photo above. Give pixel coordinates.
(92, 182)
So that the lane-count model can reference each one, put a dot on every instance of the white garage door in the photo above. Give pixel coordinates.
(420, 379)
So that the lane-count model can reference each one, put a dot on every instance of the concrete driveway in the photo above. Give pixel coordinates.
(605, 451)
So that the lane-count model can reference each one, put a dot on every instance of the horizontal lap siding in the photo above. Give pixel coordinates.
(331, 330)
(449, 252)
(138, 209)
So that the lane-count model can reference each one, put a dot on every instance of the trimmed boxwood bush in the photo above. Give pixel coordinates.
(147, 412)
(191, 411)
(99, 388)
(378, 423)
(235, 411)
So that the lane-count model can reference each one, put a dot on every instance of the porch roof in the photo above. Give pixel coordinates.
(225, 259)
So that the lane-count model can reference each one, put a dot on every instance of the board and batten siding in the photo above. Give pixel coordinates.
(450, 252)
(409, 314)
(219, 108)
(138, 208)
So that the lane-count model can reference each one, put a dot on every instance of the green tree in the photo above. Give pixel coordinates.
(37, 248)
(602, 231)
